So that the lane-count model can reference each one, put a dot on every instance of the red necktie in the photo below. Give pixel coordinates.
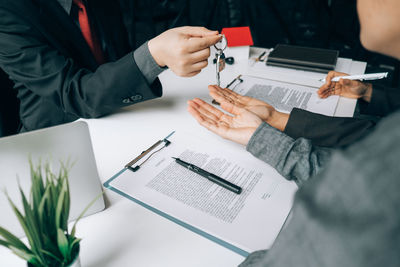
(87, 32)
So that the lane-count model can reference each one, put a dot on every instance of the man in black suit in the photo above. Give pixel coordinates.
(73, 59)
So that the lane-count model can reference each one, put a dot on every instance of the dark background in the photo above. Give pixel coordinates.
(316, 23)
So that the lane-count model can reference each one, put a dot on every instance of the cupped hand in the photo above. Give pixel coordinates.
(228, 98)
(185, 50)
(344, 87)
(238, 127)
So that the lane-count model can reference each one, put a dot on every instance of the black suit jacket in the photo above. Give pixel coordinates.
(57, 78)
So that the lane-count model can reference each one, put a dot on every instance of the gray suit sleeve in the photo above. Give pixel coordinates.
(146, 63)
(296, 160)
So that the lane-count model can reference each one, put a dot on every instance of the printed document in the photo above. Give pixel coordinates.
(286, 96)
(249, 221)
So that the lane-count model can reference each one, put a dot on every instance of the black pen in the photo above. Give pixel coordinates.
(260, 56)
(211, 177)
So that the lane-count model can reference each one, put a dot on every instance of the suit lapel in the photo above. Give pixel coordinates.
(108, 17)
(65, 34)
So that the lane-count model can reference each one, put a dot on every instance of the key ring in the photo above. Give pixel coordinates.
(223, 42)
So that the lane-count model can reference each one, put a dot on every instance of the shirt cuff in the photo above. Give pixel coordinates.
(146, 63)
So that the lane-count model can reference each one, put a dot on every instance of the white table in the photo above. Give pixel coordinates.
(126, 234)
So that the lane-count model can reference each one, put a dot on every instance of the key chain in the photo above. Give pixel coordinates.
(220, 64)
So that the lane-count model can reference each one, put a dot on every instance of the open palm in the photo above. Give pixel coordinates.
(227, 98)
(238, 128)
(258, 107)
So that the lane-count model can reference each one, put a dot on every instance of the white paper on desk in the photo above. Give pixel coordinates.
(249, 221)
(286, 96)
(301, 77)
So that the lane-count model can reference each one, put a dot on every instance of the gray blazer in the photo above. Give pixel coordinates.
(346, 212)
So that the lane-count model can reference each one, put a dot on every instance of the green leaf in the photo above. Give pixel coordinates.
(74, 243)
(32, 225)
(4, 243)
(60, 205)
(24, 226)
(40, 209)
(13, 240)
(29, 257)
(52, 255)
(62, 243)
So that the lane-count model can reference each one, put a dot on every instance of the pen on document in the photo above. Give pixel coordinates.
(211, 177)
(234, 80)
(363, 77)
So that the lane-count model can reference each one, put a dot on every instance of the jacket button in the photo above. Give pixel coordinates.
(136, 98)
(132, 99)
(126, 100)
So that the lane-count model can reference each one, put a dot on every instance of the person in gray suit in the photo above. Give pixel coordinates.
(346, 209)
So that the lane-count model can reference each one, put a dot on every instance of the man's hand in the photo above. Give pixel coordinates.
(266, 112)
(238, 128)
(184, 50)
(344, 87)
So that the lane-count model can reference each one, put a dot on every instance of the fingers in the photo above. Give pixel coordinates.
(202, 120)
(330, 88)
(225, 91)
(333, 90)
(224, 94)
(221, 98)
(211, 112)
(201, 55)
(218, 127)
(184, 50)
(191, 74)
(197, 67)
(227, 102)
(325, 89)
(200, 43)
(197, 31)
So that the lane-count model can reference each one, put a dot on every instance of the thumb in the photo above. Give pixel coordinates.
(197, 31)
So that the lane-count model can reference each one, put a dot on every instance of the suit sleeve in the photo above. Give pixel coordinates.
(30, 61)
(297, 160)
(384, 100)
(326, 131)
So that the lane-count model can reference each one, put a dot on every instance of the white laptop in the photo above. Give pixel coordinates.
(54, 144)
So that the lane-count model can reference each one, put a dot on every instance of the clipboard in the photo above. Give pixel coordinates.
(139, 163)
(134, 168)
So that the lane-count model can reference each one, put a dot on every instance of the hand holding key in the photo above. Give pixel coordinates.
(185, 50)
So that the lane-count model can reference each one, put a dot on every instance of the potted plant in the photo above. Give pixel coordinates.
(45, 221)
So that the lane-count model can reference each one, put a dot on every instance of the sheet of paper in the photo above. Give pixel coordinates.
(301, 77)
(250, 221)
(286, 96)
